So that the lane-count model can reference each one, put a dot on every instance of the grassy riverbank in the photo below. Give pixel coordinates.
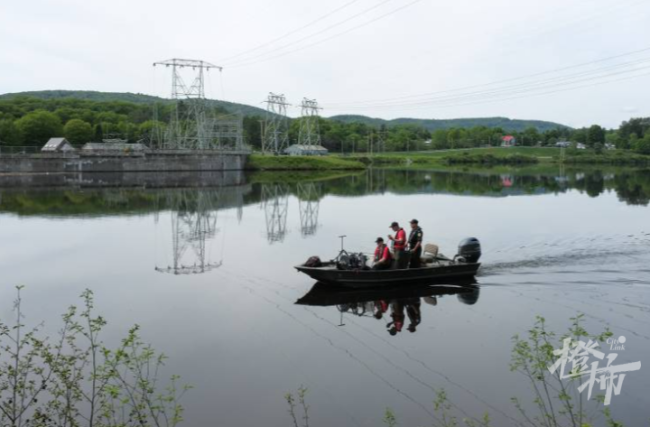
(514, 156)
(260, 162)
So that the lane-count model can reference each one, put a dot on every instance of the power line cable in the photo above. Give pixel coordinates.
(523, 96)
(330, 37)
(337, 24)
(315, 21)
(528, 86)
(497, 82)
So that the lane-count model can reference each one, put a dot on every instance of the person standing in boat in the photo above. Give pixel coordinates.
(399, 245)
(382, 259)
(415, 244)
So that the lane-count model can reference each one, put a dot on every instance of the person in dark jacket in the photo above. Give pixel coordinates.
(415, 244)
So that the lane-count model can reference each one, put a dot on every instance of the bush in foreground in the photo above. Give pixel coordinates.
(74, 380)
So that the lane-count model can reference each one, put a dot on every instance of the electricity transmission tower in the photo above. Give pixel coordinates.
(194, 224)
(308, 201)
(309, 131)
(193, 123)
(275, 133)
(275, 202)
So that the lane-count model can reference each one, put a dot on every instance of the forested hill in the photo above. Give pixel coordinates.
(136, 98)
(434, 124)
(430, 124)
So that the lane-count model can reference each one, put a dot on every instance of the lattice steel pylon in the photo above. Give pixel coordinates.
(193, 123)
(309, 202)
(275, 202)
(309, 129)
(275, 137)
(194, 223)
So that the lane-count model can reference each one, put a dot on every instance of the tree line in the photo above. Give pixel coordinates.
(32, 121)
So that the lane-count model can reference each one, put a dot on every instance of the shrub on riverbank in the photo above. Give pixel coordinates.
(618, 157)
(262, 162)
(72, 379)
(489, 159)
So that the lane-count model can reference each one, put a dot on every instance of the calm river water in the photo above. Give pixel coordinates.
(555, 244)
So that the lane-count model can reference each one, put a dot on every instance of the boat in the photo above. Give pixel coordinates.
(436, 268)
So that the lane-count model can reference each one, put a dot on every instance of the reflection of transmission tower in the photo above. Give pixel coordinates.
(276, 125)
(275, 201)
(308, 200)
(309, 131)
(193, 124)
(194, 222)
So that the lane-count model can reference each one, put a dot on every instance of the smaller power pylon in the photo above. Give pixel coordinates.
(275, 133)
(309, 129)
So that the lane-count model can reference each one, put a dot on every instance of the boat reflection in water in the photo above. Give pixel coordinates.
(401, 307)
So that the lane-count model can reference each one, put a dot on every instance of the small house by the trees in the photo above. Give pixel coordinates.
(57, 145)
(508, 141)
(306, 150)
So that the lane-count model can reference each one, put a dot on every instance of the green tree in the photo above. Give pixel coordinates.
(530, 136)
(579, 135)
(39, 126)
(77, 131)
(642, 146)
(595, 134)
(637, 126)
(9, 133)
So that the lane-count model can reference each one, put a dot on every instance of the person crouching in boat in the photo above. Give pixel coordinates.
(382, 259)
(399, 245)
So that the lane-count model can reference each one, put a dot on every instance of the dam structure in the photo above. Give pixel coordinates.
(195, 138)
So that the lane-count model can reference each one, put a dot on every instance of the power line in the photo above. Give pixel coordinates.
(497, 82)
(315, 21)
(330, 37)
(525, 96)
(336, 24)
(523, 87)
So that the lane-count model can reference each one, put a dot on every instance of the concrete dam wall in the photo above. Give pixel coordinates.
(93, 163)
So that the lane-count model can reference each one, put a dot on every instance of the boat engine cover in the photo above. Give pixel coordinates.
(470, 249)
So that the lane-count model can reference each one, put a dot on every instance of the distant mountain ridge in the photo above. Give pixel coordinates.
(249, 110)
(137, 98)
(435, 124)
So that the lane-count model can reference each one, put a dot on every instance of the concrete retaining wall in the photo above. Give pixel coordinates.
(188, 179)
(124, 163)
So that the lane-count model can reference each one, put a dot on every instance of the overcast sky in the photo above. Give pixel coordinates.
(374, 57)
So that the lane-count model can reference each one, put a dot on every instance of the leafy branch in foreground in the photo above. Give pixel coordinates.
(557, 403)
(291, 401)
(74, 380)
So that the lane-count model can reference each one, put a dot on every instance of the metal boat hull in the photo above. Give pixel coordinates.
(374, 278)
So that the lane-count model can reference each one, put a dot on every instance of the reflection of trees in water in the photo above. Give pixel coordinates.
(632, 186)
(275, 202)
(309, 203)
(193, 223)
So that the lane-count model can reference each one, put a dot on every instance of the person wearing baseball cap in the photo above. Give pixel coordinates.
(399, 245)
(415, 244)
(382, 259)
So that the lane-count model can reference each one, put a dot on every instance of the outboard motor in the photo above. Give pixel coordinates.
(469, 249)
